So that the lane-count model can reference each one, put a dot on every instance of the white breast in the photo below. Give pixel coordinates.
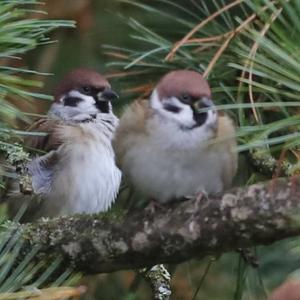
(168, 163)
(86, 179)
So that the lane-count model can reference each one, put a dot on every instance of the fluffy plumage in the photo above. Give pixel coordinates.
(168, 149)
(77, 174)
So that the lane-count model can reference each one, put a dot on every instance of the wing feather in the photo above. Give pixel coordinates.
(47, 142)
(131, 124)
(41, 167)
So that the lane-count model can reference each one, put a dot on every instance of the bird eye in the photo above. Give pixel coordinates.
(86, 89)
(186, 98)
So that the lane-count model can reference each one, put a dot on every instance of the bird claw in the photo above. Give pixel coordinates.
(197, 197)
(153, 206)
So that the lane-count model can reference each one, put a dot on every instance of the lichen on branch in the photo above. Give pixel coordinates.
(242, 217)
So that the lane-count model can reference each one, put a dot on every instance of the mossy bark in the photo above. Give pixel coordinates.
(242, 217)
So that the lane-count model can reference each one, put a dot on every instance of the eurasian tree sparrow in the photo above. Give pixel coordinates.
(77, 174)
(168, 148)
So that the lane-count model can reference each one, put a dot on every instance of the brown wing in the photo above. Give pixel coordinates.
(226, 130)
(40, 168)
(47, 141)
(131, 126)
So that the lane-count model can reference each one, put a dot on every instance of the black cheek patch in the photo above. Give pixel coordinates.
(172, 108)
(103, 106)
(72, 101)
(199, 118)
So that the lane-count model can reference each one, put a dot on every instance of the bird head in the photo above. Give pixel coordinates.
(83, 91)
(179, 97)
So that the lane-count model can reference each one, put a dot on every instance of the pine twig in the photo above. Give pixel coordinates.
(265, 163)
(159, 279)
(18, 158)
(171, 54)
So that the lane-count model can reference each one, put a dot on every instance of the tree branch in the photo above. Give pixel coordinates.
(159, 280)
(242, 217)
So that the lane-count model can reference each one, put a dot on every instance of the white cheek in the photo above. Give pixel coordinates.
(183, 117)
(155, 102)
(87, 101)
(212, 117)
(85, 106)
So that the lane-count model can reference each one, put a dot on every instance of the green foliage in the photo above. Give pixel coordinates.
(248, 50)
(21, 32)
(27, 273)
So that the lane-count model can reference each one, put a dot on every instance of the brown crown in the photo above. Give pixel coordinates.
(79, 78)
(177, 83)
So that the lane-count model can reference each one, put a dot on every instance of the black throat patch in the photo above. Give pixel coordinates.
(103, 106)
(200, 118)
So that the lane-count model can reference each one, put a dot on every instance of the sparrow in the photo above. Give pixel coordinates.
(168, 147)
(76, 170)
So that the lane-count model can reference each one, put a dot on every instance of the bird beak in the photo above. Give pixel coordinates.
(203, 104)
(107, 95)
